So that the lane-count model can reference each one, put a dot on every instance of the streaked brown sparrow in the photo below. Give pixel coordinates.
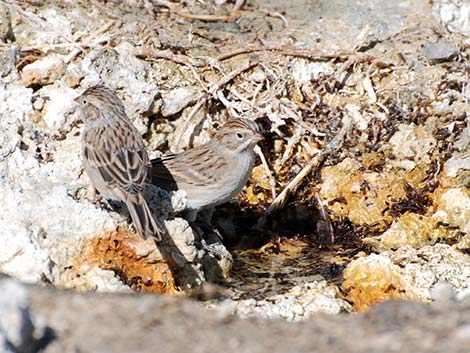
(213, 173)
(115, 157)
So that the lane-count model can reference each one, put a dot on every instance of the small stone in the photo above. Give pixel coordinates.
(8, 60)
(58, 106)
(440, 52)
(6, 30)
(178, 99)
(442, 292)
(43, 72)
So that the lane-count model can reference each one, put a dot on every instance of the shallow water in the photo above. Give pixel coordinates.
(278, 267)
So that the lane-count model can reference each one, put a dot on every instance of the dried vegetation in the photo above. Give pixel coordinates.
(356, 141)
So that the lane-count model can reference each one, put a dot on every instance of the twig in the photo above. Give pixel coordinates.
(234, 16)
(325, 228)
(332, 146)
(238, 5)
(277, 14)
(229, 105)
(144, 53)
(291, 142)
(313, 54)
(281, 199)
(88, 39)
(211, 92)
(164, 3)
(272, 182)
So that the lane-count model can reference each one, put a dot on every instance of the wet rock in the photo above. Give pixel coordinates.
(299, 303)
(440, 52)
(43, 72)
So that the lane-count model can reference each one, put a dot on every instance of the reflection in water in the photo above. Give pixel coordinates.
(277, 267)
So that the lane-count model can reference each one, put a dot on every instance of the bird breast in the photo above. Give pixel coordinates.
(231, 182)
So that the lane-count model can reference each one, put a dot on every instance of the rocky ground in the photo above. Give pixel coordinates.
(46, 320)
(361, 193)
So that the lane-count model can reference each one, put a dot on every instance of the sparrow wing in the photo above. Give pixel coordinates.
(118, 153)
(160, 175)
(195, 167)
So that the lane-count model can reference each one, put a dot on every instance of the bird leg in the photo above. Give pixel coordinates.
(93, 195)
(208, 236)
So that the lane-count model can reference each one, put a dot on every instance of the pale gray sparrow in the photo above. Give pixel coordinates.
(215, 172)
(115, 157)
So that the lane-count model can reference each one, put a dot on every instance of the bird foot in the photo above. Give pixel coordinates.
(93, 196)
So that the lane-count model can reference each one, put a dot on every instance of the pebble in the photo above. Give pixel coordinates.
(43, 72)
(440, 52)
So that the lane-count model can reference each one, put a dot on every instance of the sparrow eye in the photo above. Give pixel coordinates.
(239, 135)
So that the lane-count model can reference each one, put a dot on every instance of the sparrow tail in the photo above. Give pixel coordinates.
(146, 225)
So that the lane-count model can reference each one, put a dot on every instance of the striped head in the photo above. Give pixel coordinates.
(99, 101)
(239, 135)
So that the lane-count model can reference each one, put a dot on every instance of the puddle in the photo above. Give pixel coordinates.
(278, 267)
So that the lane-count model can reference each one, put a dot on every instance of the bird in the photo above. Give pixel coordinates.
(115, 157)
(213, 173)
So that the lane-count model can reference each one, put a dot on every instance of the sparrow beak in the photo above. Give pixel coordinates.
(257, 137)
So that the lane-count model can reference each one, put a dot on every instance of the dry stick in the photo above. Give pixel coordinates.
(291, 143)
(43, 47)
(72, 55)
(272, 182)
(144, 53)
(204, 97)
(210, 18)
(288, 50)
(278, 15)
(238, 5)
(164, 3)
(324, 225)
(281, 199)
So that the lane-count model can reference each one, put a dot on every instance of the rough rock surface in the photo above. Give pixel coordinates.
(92, 322)
(340, 77)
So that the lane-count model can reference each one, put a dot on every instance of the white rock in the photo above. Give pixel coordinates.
(360, 120)
(59, 106)
(119, 69)
(454, 14)
(454, 208)
(303, 71)
(178, 99)
(297, 304)
(412, 142)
